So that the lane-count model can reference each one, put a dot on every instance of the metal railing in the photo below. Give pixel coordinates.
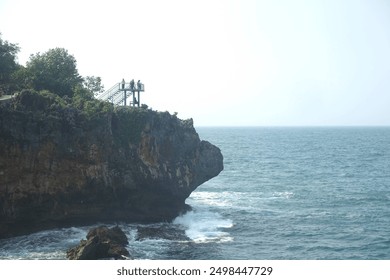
(116, 94)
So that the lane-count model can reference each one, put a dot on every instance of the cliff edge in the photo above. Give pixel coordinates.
(60, 166)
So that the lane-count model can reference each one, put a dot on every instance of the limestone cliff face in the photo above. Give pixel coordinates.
(60, 167)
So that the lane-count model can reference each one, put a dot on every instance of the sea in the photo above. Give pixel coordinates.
(286, 193)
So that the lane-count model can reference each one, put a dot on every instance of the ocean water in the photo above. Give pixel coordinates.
(285, 193)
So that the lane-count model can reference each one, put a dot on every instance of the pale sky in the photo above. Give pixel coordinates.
(228, 62)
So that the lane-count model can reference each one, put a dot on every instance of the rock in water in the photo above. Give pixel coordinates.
(102, 243)
(60, 166)
(160, 232)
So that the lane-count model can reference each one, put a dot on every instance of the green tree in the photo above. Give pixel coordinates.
(54, 70)
(20, 79)
(94, 84)
(82, 93)
(8, 62)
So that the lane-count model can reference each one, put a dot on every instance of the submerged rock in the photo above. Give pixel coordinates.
(102, 243)
(60, 166)
(161, 232)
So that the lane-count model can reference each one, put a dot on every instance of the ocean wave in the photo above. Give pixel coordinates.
(205, 226)
(43, 245)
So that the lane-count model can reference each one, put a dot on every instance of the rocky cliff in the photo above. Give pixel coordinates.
(62, 166)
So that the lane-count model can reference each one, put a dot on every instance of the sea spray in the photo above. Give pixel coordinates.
(205, 226)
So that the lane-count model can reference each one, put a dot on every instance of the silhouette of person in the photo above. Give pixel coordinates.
(132, 85)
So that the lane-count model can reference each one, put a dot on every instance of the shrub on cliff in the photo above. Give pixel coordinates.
(43, 101)
(128, 123)
(92, 108)
(47, 104)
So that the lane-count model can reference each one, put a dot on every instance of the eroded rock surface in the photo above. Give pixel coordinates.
(61, 167)
(102, 243)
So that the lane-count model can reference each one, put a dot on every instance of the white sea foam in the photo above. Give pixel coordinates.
(286, 195)
(219, 199)
(49, 244)
(205, 226)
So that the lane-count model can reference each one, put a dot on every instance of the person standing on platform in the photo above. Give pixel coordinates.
(132, 85)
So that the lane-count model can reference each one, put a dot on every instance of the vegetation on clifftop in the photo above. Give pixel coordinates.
(51, 87)
(53, 71)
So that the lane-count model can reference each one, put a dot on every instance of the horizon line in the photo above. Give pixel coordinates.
(294, 126)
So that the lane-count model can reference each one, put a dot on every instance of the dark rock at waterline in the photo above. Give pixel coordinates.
(60, 166)
(102, 243)
(167, 232)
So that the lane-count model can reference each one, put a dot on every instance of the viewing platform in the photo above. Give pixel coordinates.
(124, 94)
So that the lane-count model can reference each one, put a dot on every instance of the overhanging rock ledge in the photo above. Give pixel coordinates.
(60, 167)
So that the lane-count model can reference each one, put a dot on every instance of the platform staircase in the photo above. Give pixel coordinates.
(120, 93)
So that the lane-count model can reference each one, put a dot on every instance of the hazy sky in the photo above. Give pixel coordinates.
(225, 62)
